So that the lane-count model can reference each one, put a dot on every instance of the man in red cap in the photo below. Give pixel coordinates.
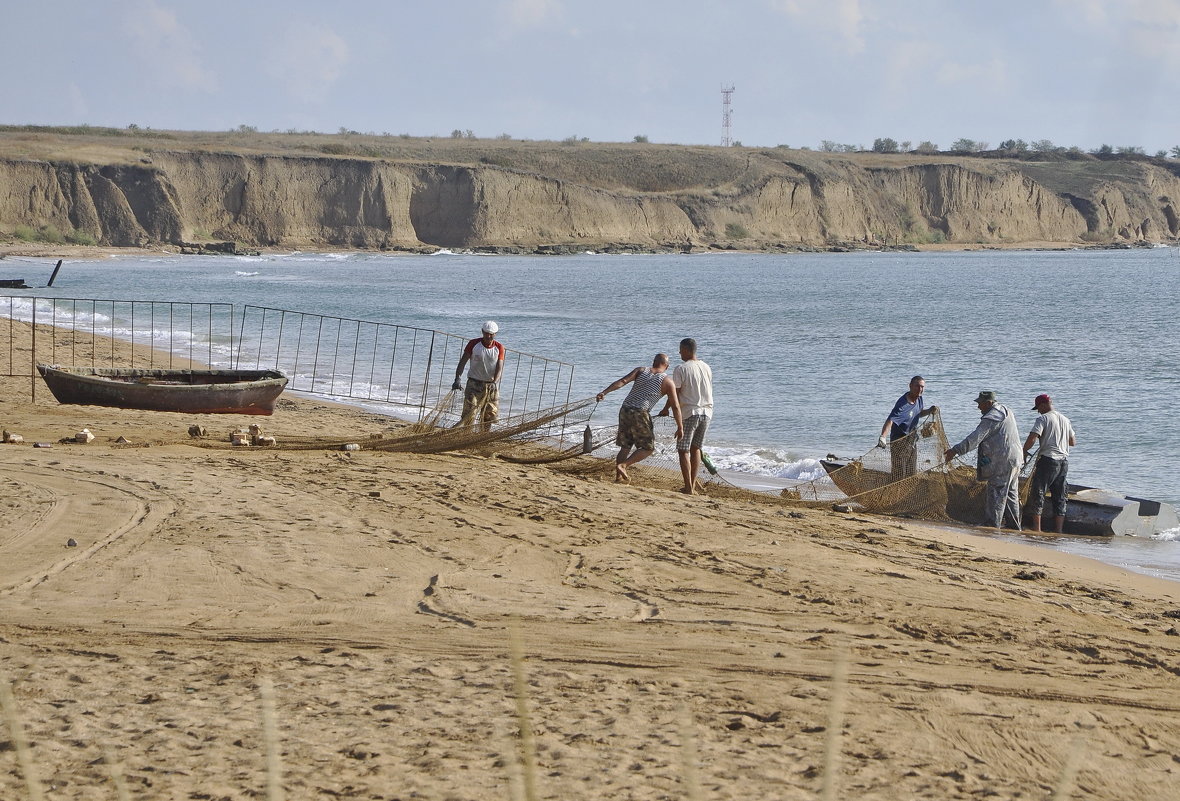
(1055, 433)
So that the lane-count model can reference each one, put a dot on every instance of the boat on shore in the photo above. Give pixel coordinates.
(1090, 511)
(195, 391)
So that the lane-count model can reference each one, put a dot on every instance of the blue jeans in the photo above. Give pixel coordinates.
(1049, 476)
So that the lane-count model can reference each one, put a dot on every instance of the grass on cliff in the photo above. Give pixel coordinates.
(621, 166)
(634, 166)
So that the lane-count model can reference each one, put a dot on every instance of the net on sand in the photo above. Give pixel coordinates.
(559, 436)
(907, 479)
(441, 429)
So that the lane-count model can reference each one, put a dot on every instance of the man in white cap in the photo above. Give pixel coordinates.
(998, 461)
(482, 394)
(1056, 436)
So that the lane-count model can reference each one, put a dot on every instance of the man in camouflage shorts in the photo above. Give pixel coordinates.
(635, 425)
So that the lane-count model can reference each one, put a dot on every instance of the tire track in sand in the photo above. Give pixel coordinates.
(69, 505)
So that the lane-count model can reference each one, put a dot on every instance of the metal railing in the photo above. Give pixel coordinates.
(321, 354)
(381, 362)
(107, 333)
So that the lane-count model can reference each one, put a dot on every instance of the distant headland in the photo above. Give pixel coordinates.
(210, 192)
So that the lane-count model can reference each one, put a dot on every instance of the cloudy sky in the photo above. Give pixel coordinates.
(1075, 72)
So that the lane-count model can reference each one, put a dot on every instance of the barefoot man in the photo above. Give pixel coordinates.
(635, 426)
(694, 383)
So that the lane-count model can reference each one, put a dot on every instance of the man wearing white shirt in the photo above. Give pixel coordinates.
(694, 388)
(1055, 433)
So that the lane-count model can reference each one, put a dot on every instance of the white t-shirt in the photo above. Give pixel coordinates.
(694, 388)
(483, 360)
(1055, 431)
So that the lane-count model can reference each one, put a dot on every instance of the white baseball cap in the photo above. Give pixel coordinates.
(490, 327)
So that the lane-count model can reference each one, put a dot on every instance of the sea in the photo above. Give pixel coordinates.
(809, 351)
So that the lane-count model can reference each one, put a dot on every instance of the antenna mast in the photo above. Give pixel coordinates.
(726, 116)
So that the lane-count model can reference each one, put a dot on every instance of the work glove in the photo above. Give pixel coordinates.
(457, 385)
(882, 443)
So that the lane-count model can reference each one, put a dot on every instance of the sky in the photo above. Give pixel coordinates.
(1075, 72)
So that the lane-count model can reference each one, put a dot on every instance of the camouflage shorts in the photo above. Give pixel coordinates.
(635, 429)
(482, 398)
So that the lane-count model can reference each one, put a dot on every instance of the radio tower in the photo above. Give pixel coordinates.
(726, 116)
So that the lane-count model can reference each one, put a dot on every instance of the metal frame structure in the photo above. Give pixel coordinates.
(338, 357)
(85, 331)
(726, 115)
(362, 360)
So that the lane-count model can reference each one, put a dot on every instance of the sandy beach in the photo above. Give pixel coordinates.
(673, 646)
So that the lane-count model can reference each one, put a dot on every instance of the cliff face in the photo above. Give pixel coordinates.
(968, 206)
(373, 204)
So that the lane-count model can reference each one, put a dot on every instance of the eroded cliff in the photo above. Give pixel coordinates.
(776, 198)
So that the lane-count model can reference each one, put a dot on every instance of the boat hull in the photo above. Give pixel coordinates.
(167, 390)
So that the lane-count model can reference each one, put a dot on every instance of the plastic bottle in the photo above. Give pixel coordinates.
(708, 463)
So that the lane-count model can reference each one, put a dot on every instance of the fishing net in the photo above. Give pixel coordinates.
(661, 469)
(560, 436)
(441, 429)
(906, 479)
(909, 478)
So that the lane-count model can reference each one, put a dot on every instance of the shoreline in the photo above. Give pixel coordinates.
(15, 251)
(755, 481)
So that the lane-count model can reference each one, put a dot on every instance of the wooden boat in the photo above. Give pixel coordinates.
(167, 390)
(1089, 511)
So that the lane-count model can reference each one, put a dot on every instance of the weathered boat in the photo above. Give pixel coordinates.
(1102, 512)
(194, 391)
(1090, 511)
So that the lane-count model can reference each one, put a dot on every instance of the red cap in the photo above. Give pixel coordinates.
(1042, 398)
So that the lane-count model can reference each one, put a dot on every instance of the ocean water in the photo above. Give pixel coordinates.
(809, 351)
